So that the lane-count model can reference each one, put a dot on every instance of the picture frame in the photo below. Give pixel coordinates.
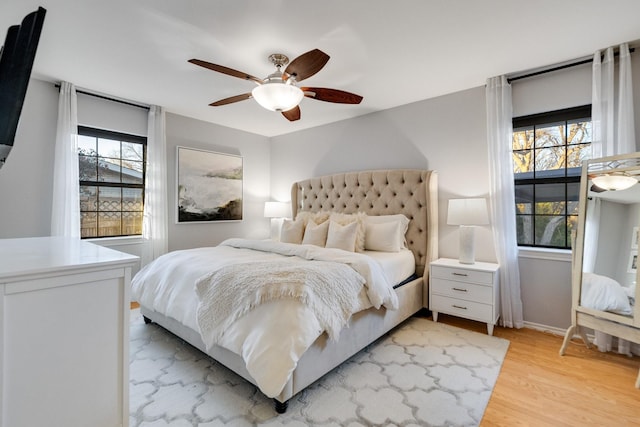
(634, 238)
(209, 186)
(632, 265)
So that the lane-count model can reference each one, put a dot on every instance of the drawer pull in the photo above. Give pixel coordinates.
(459, 290)
(458, 306)
(460, 274)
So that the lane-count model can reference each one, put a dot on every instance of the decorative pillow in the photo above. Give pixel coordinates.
(384, 237)
(400, 219)
(342, 236)
(315, 234)
(604, 293)
(292, 231)
(357, 218)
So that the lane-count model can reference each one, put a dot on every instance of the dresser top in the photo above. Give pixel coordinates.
(35, 255)
(479, 266)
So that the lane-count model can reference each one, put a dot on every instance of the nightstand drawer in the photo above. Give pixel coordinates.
(462, 275)
(462, 290)
(458, 307)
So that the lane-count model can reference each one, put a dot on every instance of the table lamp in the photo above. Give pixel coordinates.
(277, 211)
(467, 213)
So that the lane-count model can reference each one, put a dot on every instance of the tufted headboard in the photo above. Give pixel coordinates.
(411, 192)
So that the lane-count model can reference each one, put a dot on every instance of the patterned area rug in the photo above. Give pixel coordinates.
(421, 374)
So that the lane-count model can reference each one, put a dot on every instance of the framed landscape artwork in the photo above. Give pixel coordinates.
(209, 186)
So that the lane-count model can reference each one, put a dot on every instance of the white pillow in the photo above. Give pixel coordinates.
(603, 293)
(342, 236)
(384, 237)
(403, 226)
(359, 219)
(292, 231)
(315, 234)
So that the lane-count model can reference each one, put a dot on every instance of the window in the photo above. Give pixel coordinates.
(112, 176)
(548, 151)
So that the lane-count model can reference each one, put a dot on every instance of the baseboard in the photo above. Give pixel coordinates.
(544, 328)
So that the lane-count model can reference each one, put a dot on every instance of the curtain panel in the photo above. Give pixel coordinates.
(65, 209)
(502, 197)
(155, 216)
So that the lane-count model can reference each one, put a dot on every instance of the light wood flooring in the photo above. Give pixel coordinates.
(538, 387)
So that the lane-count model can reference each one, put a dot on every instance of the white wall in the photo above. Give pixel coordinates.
(26, 178)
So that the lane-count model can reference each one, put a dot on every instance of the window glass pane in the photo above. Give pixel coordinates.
(550, 136)
(110, 199)
(573, 196)
(108, 170)
(88, 224)
(572, 224)
(131, 172)
(108, 148)
(523, 164)
(524, 199)
(87, 145)
(87, 168)
(550, 198)
(131, 223)
(88, 198)
(132, 151)
(550, 231)
(576, 154)
(132, 199)
(522, 139)
(524, 227)
(579, 132)
(550, 159)
(109, 223)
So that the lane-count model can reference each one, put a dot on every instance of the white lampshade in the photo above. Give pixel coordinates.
(277, 210)
(614, 182)
(277, 96)
(468, 212)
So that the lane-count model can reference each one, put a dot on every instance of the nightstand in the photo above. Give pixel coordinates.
(465, 290)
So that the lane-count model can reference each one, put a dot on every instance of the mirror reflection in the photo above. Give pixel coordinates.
(609, 263)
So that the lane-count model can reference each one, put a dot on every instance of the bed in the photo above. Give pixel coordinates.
(369, 195)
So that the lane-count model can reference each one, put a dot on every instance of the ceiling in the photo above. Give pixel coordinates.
(390, 52)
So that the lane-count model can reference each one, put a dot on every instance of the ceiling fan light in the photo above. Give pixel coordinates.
(277, 96)
(614, 182)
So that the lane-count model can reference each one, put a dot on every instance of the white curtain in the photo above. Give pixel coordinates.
(613, 128)
(591, 232)
(65, 207)
(155, 221)
(499, 137)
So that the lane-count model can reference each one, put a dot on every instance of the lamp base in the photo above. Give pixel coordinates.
(467, 244)
(276, 227)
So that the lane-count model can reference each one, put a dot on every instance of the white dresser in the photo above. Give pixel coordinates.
(465, 290)
(64, 336)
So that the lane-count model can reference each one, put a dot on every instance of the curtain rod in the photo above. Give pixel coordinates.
(108, 98)
(560, 67)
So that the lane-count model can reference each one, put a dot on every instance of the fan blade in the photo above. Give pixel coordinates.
(293, 114)
(225, 70)
(231, 100)
(307, 64)
(331, 95)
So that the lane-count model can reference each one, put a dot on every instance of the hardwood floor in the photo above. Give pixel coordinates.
(538, 387)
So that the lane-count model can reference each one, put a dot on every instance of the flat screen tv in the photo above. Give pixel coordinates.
(16, 60)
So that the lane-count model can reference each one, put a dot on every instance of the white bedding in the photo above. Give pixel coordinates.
(168, 286)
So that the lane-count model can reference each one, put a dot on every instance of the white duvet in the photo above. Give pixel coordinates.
(272, 337)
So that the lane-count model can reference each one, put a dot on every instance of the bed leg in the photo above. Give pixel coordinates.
(146, 320)
(281, 407)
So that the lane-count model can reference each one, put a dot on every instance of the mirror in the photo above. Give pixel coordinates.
(605, 255)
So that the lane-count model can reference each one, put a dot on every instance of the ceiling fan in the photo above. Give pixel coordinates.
(278, 91)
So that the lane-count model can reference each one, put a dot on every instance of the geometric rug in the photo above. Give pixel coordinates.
(420, 374)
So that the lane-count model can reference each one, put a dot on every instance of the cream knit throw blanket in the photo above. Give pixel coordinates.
(329, 289)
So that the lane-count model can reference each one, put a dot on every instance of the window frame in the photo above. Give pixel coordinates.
(566, 115)
(122, 137)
